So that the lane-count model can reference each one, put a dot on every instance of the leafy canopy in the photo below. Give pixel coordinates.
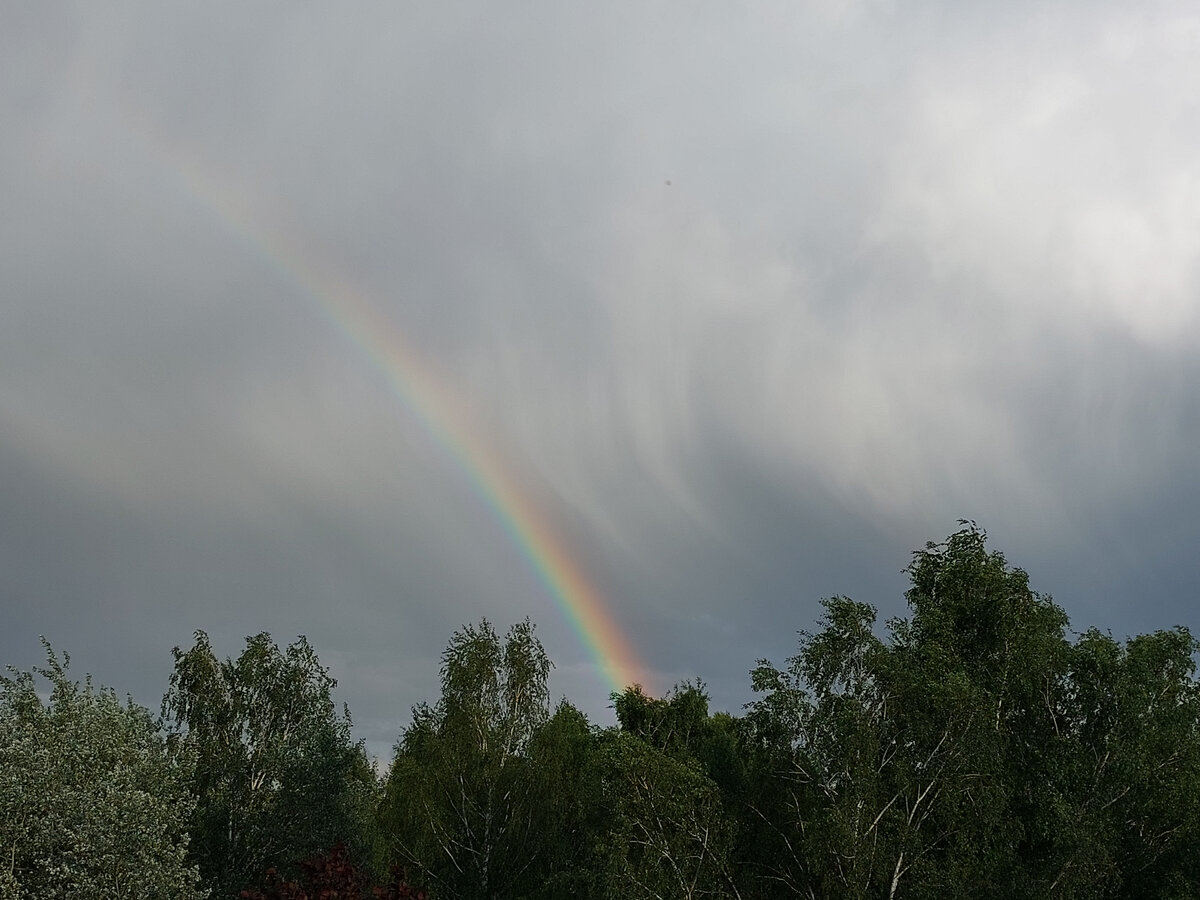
(92, 805)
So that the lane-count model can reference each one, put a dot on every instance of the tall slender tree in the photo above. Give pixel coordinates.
(462, 796)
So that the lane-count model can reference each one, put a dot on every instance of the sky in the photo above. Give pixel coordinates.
(653, 322)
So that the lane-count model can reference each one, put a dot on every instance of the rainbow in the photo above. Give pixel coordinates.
(414, 383)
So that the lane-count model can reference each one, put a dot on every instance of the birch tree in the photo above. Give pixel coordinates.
(911, 764)
(462, 794)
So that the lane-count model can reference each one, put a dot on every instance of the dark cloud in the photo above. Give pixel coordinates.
(751, 303)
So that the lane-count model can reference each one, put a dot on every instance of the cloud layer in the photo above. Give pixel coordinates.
(752, 301)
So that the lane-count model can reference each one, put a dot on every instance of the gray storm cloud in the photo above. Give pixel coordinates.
(752, 301)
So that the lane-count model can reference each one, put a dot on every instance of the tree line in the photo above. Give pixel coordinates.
(976, 747)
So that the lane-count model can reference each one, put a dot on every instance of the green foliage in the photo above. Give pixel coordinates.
(569, 808)
(92, 806)
(1133, 790)
(677, 781)
(462, 795)
(971, 749)
(277, 775)
(975, 751)
(674, 724)
(669, 835)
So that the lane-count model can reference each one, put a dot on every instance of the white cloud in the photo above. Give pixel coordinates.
(1061, 179)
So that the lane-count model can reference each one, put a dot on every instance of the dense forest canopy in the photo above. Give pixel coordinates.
(977, 747)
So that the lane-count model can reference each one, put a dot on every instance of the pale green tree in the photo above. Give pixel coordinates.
(92, 804)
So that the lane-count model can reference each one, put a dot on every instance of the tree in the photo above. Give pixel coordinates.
(670, 836)
(277, 775)
(824, 759)
(920, 765)
(92, 805)
(1131, 813)
(570, 809)
(462, 796)
(678, 779)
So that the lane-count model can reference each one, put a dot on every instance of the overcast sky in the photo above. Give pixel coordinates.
(752, 299)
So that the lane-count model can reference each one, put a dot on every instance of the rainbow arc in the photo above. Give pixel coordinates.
(415, 384)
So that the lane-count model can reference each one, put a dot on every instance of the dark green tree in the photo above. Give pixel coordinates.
(1129, 812)
(278, 777)
(680, 725)
(672, 773)
(923, 764)
(669, 834)
(462, 805)
(572, 816)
